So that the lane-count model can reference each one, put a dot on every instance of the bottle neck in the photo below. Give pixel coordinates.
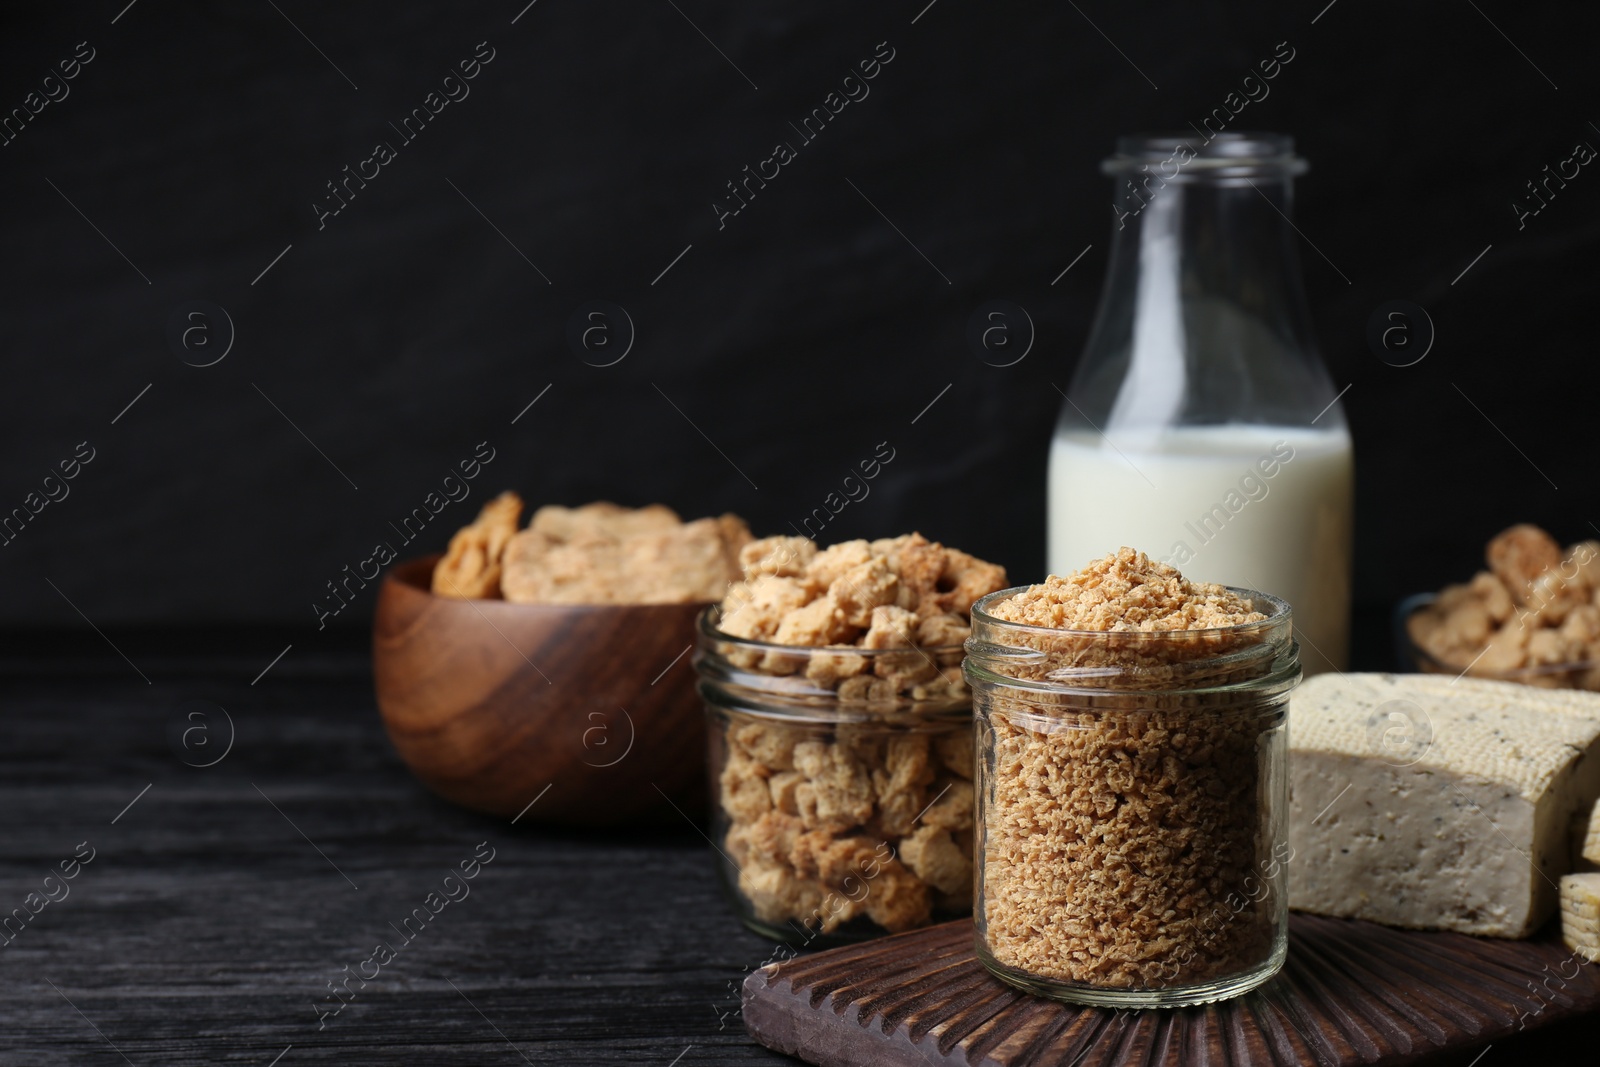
(1213, 216)
(1211, 239)
(1203, 318)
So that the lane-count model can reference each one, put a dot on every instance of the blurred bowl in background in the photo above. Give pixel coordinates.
(589, 710)
(1413, 657)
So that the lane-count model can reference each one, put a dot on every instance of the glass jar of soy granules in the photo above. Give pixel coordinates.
(1131, 785)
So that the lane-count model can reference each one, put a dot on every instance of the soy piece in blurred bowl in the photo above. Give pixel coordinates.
(588, 709)
(1532, 617)
(1576, 674)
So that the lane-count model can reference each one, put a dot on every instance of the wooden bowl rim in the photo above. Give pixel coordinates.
(415, 576)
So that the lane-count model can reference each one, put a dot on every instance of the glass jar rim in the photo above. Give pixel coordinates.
(1261, 657)
(1227, 154)
(728, 681)
(1281, 612)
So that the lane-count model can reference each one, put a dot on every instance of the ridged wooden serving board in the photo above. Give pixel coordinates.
(1351, 993)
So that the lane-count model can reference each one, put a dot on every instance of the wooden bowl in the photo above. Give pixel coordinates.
(589, 712)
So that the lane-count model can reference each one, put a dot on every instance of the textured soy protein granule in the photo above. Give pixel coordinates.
(1126, 591)
(1117, 843)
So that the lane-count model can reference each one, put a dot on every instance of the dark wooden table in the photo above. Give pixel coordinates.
(222, 900)
(220, 905)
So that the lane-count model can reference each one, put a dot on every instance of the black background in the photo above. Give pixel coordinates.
(378, 352)
(797, 337)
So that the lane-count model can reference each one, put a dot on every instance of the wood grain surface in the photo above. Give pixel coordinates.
(1351, 993)
(213, 915)
(212, 918)
(491, 703)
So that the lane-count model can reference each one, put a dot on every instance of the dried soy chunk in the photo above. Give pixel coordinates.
(894, 593)
(1494, 596)
(601, 521)
(782, 556)
(890, 627)
(814, 624)
(745, 795)
(906, 760)
(894, 898)
(768, 743)
(942, 630)
(820, 855)
(904, 671)
(866, 689)
(862, 588)
(1507, 650)
(775, 835)
(1469, 623)
(899, 900)
(900, 783)
(828, 668)
(952, 808)
(897, 809)
(680, 565)
(863, 740)
(832, 562)
(837, 821)
(1547, 647)
(761, 604)
(1584, 558)
(1581, 627)
(784, 788)
(948, 684)
(1520, 554)
(966, 579)
(605, 554)
(955, 749)
(932, 855)
(920, 563)
(776, 894)
(1536, 608)
(840, 794)
(471, 566)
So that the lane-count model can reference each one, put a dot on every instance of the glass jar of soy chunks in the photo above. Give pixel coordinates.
(841, 784)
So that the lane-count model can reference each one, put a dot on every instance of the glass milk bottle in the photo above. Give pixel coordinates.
(1200, 426)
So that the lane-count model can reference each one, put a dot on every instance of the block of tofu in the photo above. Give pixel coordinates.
(1591, 837)
(1423, 802)
(1580, 914)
